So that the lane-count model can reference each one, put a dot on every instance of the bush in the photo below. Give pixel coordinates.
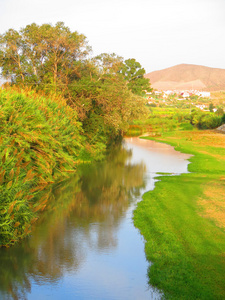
(186, 126)
(223, 119)
(40, 142)
(205, 120)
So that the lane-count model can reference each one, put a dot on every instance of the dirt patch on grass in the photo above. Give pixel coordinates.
(213, 204)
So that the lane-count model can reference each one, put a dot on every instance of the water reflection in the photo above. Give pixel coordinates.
(85, 245)
(83, 215)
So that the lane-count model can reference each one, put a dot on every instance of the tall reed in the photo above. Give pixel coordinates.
(40, 142)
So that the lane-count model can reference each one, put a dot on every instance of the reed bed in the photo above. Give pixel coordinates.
(41, 142)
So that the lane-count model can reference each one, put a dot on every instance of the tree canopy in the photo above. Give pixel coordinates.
(134, 74)
(43, 54)
(104, 90)
(63, 107)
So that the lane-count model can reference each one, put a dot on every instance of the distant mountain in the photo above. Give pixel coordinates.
(188, 77)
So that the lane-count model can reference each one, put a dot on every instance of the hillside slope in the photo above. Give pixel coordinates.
(185, 77)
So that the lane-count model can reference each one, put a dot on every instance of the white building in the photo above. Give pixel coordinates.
(204, 94)
(185, 94)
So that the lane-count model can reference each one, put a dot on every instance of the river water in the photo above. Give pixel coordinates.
(85, 245)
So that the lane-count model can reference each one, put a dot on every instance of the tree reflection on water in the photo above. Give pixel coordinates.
(84, 212)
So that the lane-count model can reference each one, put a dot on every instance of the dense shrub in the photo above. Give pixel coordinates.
(223, 119)
(205, 120)
(40, 142)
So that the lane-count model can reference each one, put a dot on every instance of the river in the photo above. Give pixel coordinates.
(85, 245)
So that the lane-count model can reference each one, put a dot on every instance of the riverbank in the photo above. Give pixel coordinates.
(41, 142)
(182, 221)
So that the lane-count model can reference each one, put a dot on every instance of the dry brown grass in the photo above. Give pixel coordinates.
(207, 138)
(210, 138)
(208, 142)
(213, 204)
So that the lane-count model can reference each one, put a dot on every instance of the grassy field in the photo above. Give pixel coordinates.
(183, 221)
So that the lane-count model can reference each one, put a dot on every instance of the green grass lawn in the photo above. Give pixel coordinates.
(183, 221)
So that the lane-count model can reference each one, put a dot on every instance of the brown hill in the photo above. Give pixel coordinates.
(186, 77)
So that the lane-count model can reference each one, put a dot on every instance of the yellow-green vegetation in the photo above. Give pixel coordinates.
(166, 119)
(218, 97)
(87, 106)
(182, 221)
(40, 142)
(161, 120)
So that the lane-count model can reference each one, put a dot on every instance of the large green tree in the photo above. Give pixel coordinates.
(103, 100)
(134, 74)
(44, 55)
(103, 90)
(108, 64)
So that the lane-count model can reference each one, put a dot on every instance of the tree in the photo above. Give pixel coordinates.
(47, 55)
(12, 59)
(134, 74)
(102, 90)
(219, 111)
(109, 64)
(211, 106)
(104, 103)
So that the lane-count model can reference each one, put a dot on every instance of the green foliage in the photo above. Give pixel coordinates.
(89, 105)
(108, 63)
(186, 126)
(134, 130)
(205, 120)
(47, 56)
(164, 119)
(104, 103)
(211, 106)
(134, 74)
(54, 59)
(219, 111)
(223, 119)
(40, 142)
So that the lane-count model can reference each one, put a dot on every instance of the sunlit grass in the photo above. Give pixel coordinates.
(182, 221)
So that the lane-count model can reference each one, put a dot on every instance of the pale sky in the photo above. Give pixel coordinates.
(157, 33)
